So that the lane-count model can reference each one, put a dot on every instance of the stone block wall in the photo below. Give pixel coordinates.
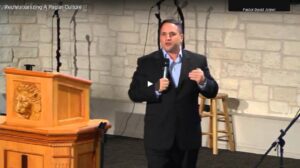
(255, 57)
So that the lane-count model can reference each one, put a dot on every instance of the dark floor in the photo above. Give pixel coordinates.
(124, 152)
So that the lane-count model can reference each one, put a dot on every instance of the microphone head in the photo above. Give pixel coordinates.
(166, 62)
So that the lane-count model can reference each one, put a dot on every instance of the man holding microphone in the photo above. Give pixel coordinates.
(172, 133)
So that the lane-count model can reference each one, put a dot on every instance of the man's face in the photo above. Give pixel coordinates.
(170, 38)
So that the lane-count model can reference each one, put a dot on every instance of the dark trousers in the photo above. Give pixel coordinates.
(172, 158)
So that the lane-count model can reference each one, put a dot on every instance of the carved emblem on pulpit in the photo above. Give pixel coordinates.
(28, 101)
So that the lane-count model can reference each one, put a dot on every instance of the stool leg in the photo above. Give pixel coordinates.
(202, 104)
(228, 126)
(214, 126)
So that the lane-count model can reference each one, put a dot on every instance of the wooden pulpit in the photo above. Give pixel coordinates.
(47, 123)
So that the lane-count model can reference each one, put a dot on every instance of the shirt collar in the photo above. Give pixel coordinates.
(178, 59)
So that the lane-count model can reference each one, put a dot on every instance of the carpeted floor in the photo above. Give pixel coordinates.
(124, 152)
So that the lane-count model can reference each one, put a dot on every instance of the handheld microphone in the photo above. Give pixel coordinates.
(166, 66)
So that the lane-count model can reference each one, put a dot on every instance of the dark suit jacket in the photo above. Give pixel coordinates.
(174, 114)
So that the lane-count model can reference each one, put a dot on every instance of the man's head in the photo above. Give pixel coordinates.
(171, 35)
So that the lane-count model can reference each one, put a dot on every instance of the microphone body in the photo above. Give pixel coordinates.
(166, 66)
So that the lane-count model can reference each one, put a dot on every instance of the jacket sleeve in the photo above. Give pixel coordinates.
(139, 90)
(211, 89)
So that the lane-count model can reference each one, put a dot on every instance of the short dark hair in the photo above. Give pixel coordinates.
(173, 21)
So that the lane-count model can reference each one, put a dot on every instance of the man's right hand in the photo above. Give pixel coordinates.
(162, 84)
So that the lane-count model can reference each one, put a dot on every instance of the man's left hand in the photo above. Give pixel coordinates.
(197, 75)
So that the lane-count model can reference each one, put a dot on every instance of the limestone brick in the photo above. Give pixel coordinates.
(264, 45)
(30, 33)
(84, 50)
(128, 72)
(138, 5)
(25, 52)
(243, 70)
(121, 50)
(190, 23)
(129, 38)
(117, 72)
(272, 31)
(281, 78)
(106, 46)
(214, 67)
(218, 20)
(102, 64)
(98, 18)
(234, 39)
(6, 55)
(190, 34)
(101, 30)
(224, 53)
(121, 23)
(82, 31)
(65, 35)
(10, 29)
(44, 49)
(272, 60)
(151, 34)
(255, 107)
(83, 73)
(284, 94)
(246, 89)
(117, 81)
(291, 63)
(212, 35)
(218, 6)
(2, 84)
(279, 107)
(135, 50)
(142, 17)
(261, 17)
(3, 16)
(22, 19)
(121, 93)
(28, 44)
(261, 93)
(291, 48)
(9, 40)
(67, 48)
(118, 61)
(131, 60)
(46, 36)
(291, 19)
(201, 50)
(46, 63)
(102, 91)
(229, 83)
(252, 56)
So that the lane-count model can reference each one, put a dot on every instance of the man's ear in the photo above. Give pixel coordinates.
(182, 36)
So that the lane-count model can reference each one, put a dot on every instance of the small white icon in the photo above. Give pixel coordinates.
(149, 83)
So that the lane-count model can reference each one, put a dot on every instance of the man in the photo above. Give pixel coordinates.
(172, 132)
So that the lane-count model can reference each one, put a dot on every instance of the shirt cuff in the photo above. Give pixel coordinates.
(203, 84)
(157, 93)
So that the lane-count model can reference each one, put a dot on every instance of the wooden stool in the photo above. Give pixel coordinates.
(216, 116)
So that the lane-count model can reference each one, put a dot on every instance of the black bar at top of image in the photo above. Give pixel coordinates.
(265, 5)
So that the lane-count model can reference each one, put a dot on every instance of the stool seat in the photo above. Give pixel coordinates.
(215, 116)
